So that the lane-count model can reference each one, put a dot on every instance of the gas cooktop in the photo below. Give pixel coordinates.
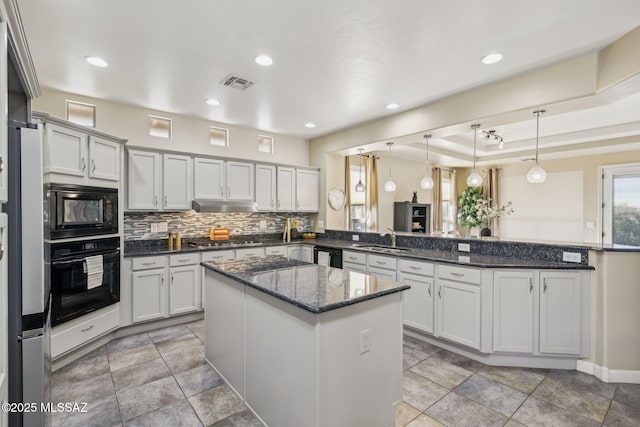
(203, 243)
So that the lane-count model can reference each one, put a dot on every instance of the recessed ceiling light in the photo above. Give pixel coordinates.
(309, 125)
(392, 106)
(264, 60)
(212, 101)
(95, 61)
(492, 58)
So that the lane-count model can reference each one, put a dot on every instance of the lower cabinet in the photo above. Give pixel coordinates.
(458, 308)
(300, 252)
(513, 311)
(560, 312)
(184, 286)
(148, 295)
(382, 266)
(418, 301)
(354, 261)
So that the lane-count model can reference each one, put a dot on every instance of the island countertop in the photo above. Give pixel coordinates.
(312, 287)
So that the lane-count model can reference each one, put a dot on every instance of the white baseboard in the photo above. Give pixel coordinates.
(608, 375)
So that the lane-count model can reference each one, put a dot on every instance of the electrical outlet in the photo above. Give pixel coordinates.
(571, 256)
(320, 223)
(355, 238)
(464, 258)
(591, 224)
(365, 341)
(464, 247)
(163, 227)
(154, 227)
(263, 225)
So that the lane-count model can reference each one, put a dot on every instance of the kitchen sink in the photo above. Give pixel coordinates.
(384, 249)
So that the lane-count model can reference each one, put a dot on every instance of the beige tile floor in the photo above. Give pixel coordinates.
(160, 378)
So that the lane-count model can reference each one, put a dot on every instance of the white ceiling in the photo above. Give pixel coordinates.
(336, 62)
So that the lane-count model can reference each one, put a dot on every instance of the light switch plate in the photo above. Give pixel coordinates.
(263, 225)
(154, 227)
(355, 238)
(571, 256)
(162, 227)
(464, 247)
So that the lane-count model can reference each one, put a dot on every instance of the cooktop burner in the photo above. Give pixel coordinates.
(201, 242)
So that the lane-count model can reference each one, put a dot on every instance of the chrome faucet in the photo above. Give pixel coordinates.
(393, 237)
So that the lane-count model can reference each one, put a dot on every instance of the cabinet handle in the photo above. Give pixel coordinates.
(87, 329)
(544, 285)
(183, 260)
(93, 165)
(228, 191)
(413, 267)
(458, 274)
(429, 290)
(381, 262)
(155, 200)
(172, 278)
(216, 257)
(162, 283)
(148, 263)
(1, 251)
(1, 164)
(352, 258)
(221, 192)
(165, 200)
(439, 294)
(530, 285)
(84, 164)
(272, 204)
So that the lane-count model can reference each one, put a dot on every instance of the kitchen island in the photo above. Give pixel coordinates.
(305, 344)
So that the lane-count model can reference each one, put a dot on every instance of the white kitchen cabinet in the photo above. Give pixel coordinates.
(458, 305)
(250, 252)
(184, 290)
(307, 192)
(77, 156)
(286, 186)
(148, 294)
(77, 332)
(301, 253)
(218, 255)
(209, 179)
(417, 301)
(381, 266)
(513, 303)
(354, 261)
(560, 312)
(240, 180)
(276, 250)
(266, 187)
(159, 182)
(177, 178)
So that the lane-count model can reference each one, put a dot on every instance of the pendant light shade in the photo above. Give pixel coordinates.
(427, 181)
(390, 185)
(475, 179)
(536, 174)
(360, 185)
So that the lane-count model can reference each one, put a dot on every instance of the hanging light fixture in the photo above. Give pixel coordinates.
(536, 174)
(475, 179)
(360, 186)
(389, 186)
(427, 181)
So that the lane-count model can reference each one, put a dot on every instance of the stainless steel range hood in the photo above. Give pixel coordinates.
(223, 206)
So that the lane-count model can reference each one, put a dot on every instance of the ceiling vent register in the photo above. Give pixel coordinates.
(236, 82)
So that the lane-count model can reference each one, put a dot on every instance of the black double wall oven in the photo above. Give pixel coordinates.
(83, 261)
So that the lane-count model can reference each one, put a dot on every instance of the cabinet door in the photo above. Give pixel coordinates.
(560, 305)
(184, 289)
(295, 252)
(286, 189)
(144, 180)
(4, 337)
(176, 182)
(382, 273)
(266, 187)
(417, 302)
(307, 254)
(357, 268)
(148, 295)
(65, 151)
(249, 252)
(458, 311)
(307, 199)
(104, 159)
(239, 181)
(513, 311)
(277, 250)
(208, 182)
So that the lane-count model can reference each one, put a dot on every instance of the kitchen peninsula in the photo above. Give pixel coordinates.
(305, 344)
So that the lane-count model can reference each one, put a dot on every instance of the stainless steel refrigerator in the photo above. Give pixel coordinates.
(28, 296)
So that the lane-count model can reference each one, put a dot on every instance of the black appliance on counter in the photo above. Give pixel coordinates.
(334, 255)
(28, 301)
(73, 293)
(80, 211)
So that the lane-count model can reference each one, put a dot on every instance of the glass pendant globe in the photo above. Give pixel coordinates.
(426, 182)
(360, 187)
(389, 185)
(474, 180)
(536, 175)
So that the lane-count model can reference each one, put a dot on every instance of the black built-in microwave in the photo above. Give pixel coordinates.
(79, 211)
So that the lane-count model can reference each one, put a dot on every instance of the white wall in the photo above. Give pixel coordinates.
(189, 134)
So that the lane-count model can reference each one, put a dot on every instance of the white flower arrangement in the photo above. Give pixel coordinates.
(485, 212)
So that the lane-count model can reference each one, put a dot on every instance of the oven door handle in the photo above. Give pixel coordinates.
(81, 259)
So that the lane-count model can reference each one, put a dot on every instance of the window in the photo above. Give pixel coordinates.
(265, 144)
(81, 113)
(449, 220)
(160, 127)
(621, 205)
(357, 206)
(219, 136)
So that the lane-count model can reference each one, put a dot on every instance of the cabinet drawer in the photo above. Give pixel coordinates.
(354, 257)
(276, 250)
(415, 267)
(377, 261)
(358, 268)
(382, 272)
(460, 274)
(184, 259)
(249, 252)
(218, 255)
(84, 331)
(147, 263)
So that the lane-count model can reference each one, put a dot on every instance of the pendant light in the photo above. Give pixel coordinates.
(536, 174)
(427, 181)
(390, 186)
(475, 179)
(360, 186)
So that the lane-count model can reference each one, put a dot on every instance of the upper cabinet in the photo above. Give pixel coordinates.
(240, 181)
(286, 189)
(266, 187)
(74, 154)
(307, 197)
(159, 181)
(216, 179)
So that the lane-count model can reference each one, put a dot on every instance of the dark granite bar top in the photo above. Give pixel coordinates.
(134, 248)
(312, 287)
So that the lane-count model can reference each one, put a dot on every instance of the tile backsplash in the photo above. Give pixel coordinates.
(137, 225)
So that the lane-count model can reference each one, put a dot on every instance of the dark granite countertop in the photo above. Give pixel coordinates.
(137, 248)
(312, 287)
